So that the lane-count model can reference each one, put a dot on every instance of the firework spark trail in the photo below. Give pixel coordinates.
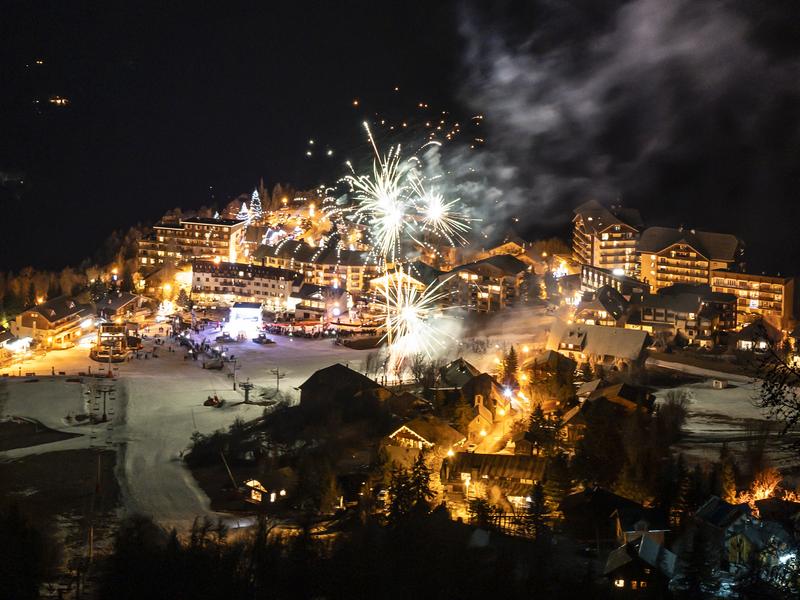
(407, 311)
(437, 214)
(397, 206)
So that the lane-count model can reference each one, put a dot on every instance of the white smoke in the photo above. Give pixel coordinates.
(590, 117)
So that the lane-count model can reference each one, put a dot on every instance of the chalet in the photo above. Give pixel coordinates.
(641, 567)
(315, 302)
(456, 374)
(465, 472)
(765, 543)
(633, 522)
(57, 323)
(552, 362)
(425, 433)
(339, 383)
(757, 336)
(612, 346)
(616, 400)
(606, 306)
(122, 305)
(588, 514)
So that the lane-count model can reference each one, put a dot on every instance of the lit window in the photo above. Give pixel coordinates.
(620, 583)
(634, 585)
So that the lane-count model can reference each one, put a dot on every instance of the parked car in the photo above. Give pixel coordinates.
(262, 339)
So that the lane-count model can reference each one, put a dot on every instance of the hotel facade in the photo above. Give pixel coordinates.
(758, 296)
(188, 239)
(669, 256)
(605, 238)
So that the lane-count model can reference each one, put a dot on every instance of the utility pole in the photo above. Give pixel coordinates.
(278, 376)
(235, 361)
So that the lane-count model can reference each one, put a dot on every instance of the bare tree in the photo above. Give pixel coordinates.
(779, 389)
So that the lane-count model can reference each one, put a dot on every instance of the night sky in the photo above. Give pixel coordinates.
(183, 104)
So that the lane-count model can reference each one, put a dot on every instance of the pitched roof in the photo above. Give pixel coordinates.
(497, 466)
(715, 511)
(116, 301)
(714, 246)
(338, 377)
(680, 303)
(59, 308)
(625, 394)
(457, 373)
(209, 221)
(496, 265)
(596, 500)
(550, 359)
(645, 548)
(433, 430)
(757, 331)
(608, 299)
(598, 218)
(6, 336)
(312, 291)
(598, 340)
(588, 387)
(328, 254)
(424, 272)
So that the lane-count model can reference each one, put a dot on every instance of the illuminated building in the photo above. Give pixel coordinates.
(57, 323)
(327, 265)
(670, 256)
(758, 296)
(606, 238)
(226, 283)
(593, 278)
(488, 285)
(316, 302)
(194, 238)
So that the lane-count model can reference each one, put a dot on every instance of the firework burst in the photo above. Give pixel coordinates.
(408, 310)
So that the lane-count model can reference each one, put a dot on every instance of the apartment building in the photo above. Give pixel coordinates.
(228, 283)
(606, 238)
(189, 239)
(326, 265)
(758, 296)
(487, 285)
(669, 256)
(594, 278)
(695, 312)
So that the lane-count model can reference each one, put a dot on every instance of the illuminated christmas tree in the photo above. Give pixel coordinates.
(244, 214)
(255, 206)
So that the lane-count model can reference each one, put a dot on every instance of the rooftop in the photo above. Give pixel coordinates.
(713, 246)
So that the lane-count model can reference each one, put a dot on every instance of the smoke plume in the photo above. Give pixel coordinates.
(675, 105)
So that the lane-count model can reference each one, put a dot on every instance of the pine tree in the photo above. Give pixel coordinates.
(558, 481)
(540, 431)
(535, 519)
(401, 498)
(510, 367)
(419, 483)
(481, 513)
